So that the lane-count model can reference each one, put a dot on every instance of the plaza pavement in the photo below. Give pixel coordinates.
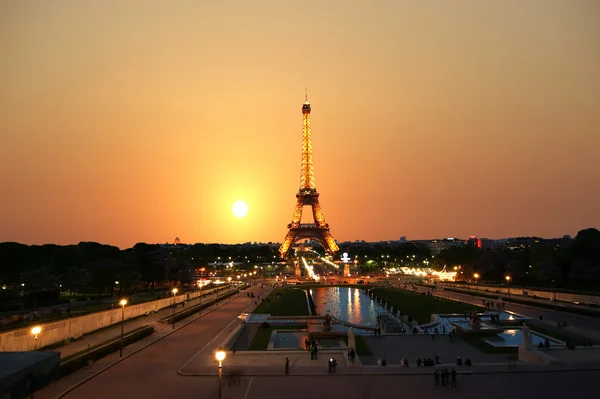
(179, 363)
(413, 347)
(162, 353)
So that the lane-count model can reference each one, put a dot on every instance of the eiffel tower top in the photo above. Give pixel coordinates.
(306, 105)
(307, 175)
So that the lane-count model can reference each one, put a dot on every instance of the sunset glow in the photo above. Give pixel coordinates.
(125, 122)
(240, 209)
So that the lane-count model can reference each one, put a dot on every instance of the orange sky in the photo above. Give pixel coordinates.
(136, 121)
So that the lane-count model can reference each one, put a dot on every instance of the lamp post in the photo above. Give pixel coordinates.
(554, 296)
(200, 296)
(220, 356)
(476, 277)
(174, 293)
(508, 283)
(35, 331)
(229, 289)
(217, 293)
(122, 302)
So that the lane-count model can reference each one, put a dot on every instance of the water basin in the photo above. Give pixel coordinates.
(347, 304)
(286, 339)
(514, 336)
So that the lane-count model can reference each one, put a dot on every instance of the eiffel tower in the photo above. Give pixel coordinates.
(307, 195)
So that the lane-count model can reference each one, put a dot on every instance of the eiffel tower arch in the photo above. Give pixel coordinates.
(308, 196)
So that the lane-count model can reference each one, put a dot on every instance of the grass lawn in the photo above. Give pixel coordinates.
(284, 302)
(421, 307)
(261, 338)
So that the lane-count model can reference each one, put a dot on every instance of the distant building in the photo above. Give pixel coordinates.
(481, 243)
(437, 246)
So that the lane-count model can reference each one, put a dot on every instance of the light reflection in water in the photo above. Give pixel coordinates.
(348, 304)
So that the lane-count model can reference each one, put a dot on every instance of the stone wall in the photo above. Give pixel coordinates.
(21, 340)
(560, 296)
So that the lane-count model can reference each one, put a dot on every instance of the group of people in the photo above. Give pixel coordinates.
(332, 364)
(311, 345)
(545, 344)
(351, 355)
(426, 362)
(490, 305)
(459, 361)
(445, 378)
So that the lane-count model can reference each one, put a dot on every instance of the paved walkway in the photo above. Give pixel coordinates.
(108, 333)
(61, 387)
(413, 347)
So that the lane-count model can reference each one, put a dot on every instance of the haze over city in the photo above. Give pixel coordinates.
(126, 122)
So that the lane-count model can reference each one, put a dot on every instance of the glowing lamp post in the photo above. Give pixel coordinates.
(476, 277)
(229, 289)
(174, 293)
(35, 331)
(508, 283)
(220, 356)
(200, 296)
(123, 302)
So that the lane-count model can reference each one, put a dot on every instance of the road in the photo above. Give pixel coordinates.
(152, 372)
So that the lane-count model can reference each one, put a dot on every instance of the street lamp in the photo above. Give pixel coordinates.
(200, 296)
(229, 289)
(123, 302)
(174, 291)
(476, 277)
(220, 356)
(35, 331)
(508, 283)
(554, 296)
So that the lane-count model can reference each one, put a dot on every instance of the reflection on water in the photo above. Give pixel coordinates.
(348, 304)
(514, 337)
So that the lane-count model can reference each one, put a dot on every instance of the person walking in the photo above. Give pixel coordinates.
(287, 366)
(436, 377)
(453, 378)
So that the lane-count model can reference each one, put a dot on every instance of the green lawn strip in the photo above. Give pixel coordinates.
(476, 341)
(81, 359)
(261, 338)
(284, 302)
(92, 348)
(420, 307)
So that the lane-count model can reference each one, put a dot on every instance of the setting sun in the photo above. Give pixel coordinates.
(240, 209)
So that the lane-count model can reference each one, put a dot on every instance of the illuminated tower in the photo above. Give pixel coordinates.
(307, 195)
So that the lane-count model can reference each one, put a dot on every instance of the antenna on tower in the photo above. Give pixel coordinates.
(305, 94)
